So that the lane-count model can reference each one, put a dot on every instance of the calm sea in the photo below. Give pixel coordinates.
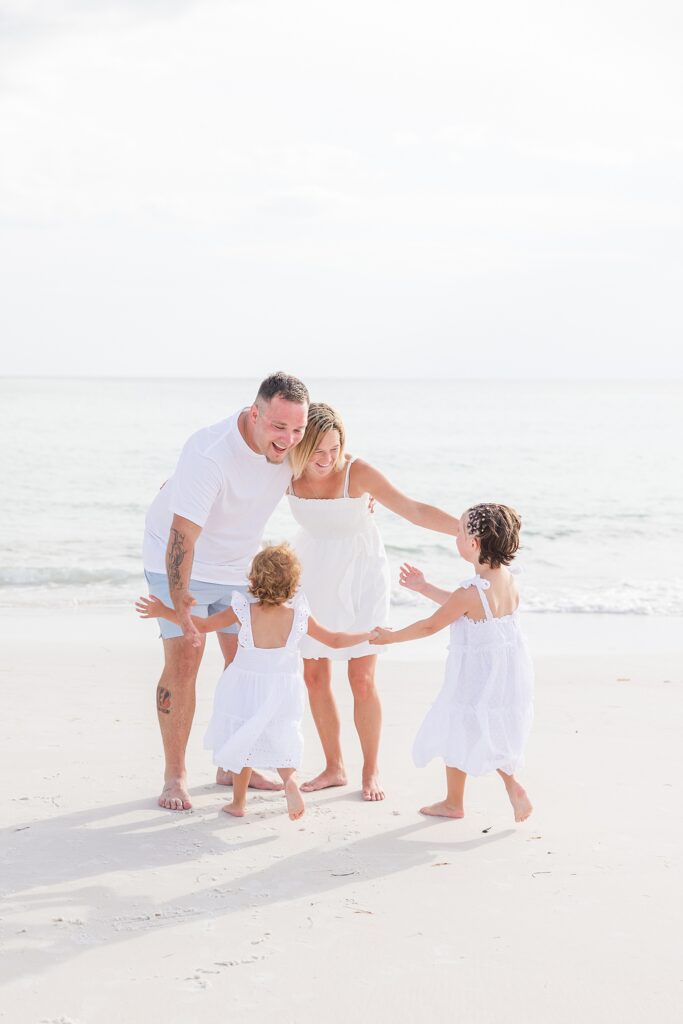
(595, 470)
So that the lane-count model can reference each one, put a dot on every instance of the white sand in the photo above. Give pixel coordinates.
(115, 910)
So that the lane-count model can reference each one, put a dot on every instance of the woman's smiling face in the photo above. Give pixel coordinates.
(324, 458)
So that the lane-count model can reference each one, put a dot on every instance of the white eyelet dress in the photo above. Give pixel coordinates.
(481, 719)
(260, 698)
(345, 570)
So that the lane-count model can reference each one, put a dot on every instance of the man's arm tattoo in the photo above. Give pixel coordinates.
(163, 700)
(174, 558)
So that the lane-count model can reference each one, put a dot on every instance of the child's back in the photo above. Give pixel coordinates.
(271, 625)
(502, 597)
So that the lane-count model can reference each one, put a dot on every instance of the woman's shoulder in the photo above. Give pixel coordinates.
(360, 473)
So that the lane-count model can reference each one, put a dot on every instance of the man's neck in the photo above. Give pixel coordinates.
(245, 427)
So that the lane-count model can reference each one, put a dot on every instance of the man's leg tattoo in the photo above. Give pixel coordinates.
(163, 700)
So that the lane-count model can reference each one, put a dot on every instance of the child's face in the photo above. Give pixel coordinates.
(325, 455)
(468, 546)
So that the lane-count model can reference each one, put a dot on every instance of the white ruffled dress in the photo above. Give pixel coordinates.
(260, 698)
(481, 719)
(345, 572)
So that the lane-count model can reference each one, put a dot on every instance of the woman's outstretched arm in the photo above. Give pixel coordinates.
(367, 478)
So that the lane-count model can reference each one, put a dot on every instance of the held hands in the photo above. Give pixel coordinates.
(153, 608)
(381, 636)
(183, 610)
(411, 578)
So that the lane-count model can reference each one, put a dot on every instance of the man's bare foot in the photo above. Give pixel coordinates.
(521, 804)
(443, 810)
(237, 810)
(295, 802)
(257, 781)
(174, 796)
(326, 780)
(372, 789)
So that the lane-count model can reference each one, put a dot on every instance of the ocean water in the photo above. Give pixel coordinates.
(594, 468)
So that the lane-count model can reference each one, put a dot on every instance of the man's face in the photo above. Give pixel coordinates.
(278, 426)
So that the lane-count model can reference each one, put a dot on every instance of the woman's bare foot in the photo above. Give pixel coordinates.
(257, 781)
(237, 810)
(295, 802)
(443, 810)
(174, 795)
(521, 804)
(371, 788)
(330, 777)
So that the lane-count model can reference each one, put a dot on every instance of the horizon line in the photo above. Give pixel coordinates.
(410, 377)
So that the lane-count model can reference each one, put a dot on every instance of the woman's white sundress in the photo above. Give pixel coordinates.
(345, 570)
(481, 719)
(260, 698)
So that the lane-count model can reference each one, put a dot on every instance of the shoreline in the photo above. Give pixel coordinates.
(549, 633)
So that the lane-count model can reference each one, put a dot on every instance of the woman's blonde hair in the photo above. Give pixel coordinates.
(274, 575)
(321, 419)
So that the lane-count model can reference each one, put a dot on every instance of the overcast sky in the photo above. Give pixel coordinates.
(198, 187)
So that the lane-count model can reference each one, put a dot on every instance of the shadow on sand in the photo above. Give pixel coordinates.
(100, 841)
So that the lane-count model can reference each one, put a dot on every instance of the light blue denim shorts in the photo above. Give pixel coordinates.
(210, 598)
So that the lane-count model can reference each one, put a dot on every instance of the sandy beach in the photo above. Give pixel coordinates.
(116, 910)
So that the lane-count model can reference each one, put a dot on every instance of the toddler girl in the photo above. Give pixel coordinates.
(259, 701)
(481, 719)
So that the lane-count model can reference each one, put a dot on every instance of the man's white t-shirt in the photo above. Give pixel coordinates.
(226, 488)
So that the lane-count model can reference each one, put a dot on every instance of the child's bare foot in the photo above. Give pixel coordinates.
(372, 789)
(257, 781)
(295, 801)
(521, 804)
(237, 810)
(174, 796)
(326, 780)
(443, 810)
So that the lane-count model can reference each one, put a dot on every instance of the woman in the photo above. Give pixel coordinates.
(346, 580)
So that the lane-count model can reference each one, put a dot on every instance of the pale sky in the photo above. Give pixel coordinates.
(428, 189)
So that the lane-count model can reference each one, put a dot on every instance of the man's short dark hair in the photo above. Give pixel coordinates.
(287, 387)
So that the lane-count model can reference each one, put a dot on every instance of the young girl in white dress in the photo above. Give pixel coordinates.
(259, 700)
(480, 720)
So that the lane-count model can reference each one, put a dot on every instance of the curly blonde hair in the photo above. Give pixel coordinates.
(274, 575)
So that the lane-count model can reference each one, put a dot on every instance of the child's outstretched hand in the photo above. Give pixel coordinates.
(381, 636)
(149, 607)
(411, 578)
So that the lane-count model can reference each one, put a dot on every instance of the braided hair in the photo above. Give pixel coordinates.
(496, 527)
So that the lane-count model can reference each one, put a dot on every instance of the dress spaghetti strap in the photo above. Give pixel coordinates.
(346, 478)
(481, 585)
(485, 602)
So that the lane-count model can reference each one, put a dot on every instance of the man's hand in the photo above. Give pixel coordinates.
(411, 578)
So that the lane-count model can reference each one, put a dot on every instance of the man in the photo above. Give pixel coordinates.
(201, 533)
